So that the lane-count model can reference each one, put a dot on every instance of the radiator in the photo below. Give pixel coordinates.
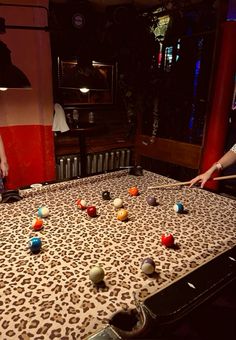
(69, 166)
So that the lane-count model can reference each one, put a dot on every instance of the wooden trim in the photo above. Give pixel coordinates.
(66, 144)
(167, 150)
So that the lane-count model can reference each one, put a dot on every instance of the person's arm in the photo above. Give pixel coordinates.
(225, 161)
(3, 160)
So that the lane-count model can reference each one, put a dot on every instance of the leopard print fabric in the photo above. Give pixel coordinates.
(233, 148)
(49, 295)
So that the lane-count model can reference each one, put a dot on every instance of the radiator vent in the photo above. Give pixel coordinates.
(69, 166)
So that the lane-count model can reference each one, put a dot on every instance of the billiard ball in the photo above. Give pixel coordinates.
(178, 207)
(92, 211)
(118, 202)
(106, 195)
(43, 212)
(133, 191)
(122, 215)
(96, 274)
(37, 224)
(35, 244)
(167, 240)
(81, 204)
(151, 200)
(148, 266)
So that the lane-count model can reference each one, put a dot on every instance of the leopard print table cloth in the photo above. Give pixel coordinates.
(49, 295)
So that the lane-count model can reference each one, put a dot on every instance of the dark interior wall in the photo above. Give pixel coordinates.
(118, 35)
(122, 34)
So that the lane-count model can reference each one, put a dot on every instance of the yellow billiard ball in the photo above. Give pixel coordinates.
(122, 215)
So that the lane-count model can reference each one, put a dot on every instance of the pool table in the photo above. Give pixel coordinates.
(48, 295)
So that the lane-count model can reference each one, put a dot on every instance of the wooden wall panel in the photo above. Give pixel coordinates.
(167, 150)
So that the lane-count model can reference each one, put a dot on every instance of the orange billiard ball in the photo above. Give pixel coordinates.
(37, 224)
(133, 191)
(122, 215)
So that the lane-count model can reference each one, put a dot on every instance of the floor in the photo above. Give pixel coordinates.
(213, 321)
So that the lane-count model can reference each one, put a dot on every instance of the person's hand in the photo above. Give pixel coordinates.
(203, 178)
(4, 168)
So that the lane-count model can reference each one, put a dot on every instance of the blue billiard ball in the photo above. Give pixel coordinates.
(35, 244)
(178, 207)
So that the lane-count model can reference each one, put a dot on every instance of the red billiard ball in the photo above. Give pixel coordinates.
(167, 240)
(92, 211)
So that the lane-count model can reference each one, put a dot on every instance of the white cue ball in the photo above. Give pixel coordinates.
(118, 203)
(96, 274)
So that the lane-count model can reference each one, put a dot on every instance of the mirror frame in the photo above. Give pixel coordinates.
(72, 96)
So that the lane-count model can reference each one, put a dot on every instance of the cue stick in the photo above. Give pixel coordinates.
(169, 185)
(130, 167)
(224, 177)
(189, 182)
(127, 167)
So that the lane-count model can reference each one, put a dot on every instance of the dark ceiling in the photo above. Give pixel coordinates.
(104, 3)
(139, 4)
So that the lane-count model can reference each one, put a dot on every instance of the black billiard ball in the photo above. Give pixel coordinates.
(106, 195)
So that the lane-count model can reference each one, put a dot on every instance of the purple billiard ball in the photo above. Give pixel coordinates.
(151, 200)
(148, 266)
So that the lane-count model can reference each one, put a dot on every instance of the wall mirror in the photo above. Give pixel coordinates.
(98, 77)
